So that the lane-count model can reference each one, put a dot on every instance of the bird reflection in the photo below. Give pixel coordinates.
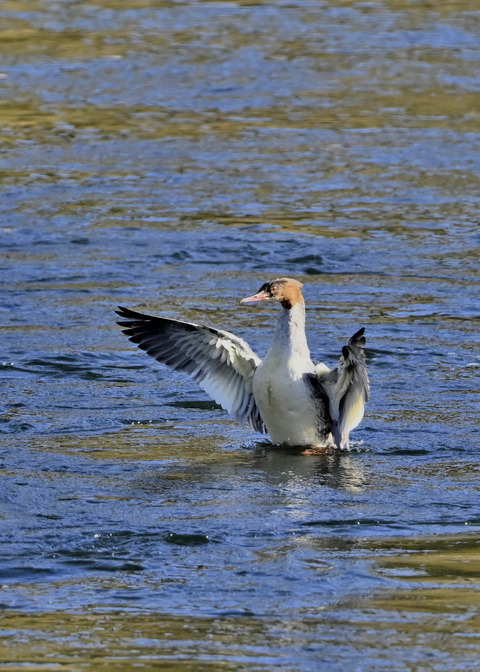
(331, 468)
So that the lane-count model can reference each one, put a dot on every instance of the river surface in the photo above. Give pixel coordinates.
(171, 157)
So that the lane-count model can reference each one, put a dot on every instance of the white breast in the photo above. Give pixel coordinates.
(284, 399)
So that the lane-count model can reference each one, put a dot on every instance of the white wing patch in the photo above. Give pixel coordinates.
(221, 363)
(347, 387)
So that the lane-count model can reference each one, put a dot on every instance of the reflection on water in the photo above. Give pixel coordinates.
(438, 623)
(333, 469)
(172, 157)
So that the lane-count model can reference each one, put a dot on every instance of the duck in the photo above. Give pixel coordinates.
(286, 395)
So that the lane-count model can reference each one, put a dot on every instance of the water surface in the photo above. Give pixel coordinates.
(172, 156)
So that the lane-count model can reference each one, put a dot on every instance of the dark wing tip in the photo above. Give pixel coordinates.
(355, 347)
(358, 338)
(131, 314)
(135, 321)
(358, 333)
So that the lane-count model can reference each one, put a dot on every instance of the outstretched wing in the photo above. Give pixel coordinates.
(221, 363)
(347, 387)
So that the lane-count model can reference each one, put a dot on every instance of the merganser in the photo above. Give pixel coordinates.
(297, 402)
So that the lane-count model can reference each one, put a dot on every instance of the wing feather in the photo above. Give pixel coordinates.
(220, 362)
(347, 387)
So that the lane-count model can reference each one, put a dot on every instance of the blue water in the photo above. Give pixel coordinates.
(171, 158)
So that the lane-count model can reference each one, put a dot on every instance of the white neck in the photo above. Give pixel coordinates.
(290, 333)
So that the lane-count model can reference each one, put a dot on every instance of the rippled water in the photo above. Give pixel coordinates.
(172, 156)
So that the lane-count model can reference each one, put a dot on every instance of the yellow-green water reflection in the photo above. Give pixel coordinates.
(435, 614)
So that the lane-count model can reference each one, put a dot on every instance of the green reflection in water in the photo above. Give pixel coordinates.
(430, 594)
(134, 641)
(434, 613)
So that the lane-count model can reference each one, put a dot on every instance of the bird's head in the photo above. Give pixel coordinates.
(286, 290)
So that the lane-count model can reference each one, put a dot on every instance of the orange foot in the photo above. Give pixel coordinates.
(316, 450)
